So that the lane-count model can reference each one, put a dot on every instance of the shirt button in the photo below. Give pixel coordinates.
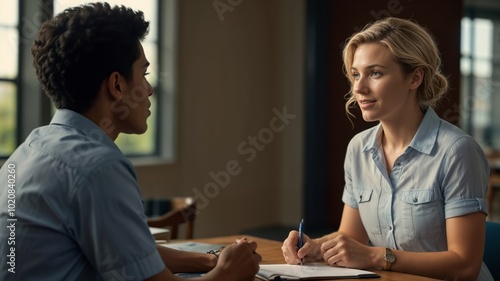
(415, 200)
(390, 227)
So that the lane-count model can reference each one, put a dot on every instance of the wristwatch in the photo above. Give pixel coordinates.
(389, 258)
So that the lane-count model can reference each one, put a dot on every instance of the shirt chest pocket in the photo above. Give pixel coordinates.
(417, 197)
(368, 210)
(364, 195)
(421, 213)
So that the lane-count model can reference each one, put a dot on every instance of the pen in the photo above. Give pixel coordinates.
(301, 236)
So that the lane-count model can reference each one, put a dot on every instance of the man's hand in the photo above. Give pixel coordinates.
(238, 261)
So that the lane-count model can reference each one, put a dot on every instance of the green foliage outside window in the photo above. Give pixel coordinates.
(7, 118)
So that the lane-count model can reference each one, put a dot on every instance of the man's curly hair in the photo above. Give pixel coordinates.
(80, 47)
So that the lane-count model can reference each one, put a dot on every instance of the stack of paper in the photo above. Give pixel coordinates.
(160, 233)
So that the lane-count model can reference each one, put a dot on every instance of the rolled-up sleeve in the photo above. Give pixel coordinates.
(465, 178)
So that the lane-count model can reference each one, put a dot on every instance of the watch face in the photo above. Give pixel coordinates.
(390, 258)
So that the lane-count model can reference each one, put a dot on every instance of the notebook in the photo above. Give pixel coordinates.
(312, 271)
(193, 246)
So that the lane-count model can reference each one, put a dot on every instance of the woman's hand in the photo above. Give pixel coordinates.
(345, 251)
(310, 251)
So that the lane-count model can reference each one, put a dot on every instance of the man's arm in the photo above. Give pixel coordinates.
(182, 261)
(238, 261)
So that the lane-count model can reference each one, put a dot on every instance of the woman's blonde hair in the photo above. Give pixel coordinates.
(411, 46)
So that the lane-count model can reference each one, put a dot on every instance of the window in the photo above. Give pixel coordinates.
(23, 108)
(9, 34)
(480, 69)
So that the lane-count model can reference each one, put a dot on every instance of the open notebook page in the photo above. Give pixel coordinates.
(310, 271)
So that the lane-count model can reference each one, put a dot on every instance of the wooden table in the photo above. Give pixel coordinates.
(270, 251)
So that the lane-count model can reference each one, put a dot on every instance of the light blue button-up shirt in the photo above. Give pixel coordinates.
(78, 208)
(442, 174)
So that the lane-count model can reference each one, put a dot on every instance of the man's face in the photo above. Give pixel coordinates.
(136, 97)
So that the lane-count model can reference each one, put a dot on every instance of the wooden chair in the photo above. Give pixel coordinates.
(494, 183)
(182, 211)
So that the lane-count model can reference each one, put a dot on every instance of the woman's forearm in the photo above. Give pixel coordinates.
(441, 265)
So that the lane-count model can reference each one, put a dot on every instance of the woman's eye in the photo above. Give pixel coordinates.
(376, 74)
(355, 76)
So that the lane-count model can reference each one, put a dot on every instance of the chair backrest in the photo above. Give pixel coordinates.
(182, 210)
(492, 248)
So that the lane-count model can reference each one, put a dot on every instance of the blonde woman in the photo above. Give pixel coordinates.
(415, 184)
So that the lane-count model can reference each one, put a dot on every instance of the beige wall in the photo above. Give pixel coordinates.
(232, 74)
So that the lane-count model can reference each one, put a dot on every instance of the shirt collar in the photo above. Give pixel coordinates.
(66, 117)
(424, 139)
(427, 132)
(373, 140)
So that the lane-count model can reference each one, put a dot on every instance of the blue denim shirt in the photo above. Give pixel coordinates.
(78, 208)
(442, 174)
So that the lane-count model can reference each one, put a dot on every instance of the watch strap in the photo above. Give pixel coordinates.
(389, 258)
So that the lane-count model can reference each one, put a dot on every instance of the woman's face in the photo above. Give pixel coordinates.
(381, 90)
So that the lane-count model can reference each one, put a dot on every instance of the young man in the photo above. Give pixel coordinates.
(72, 203)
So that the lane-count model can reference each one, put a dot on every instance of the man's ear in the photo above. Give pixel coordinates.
(416, 78)
(115, 85)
